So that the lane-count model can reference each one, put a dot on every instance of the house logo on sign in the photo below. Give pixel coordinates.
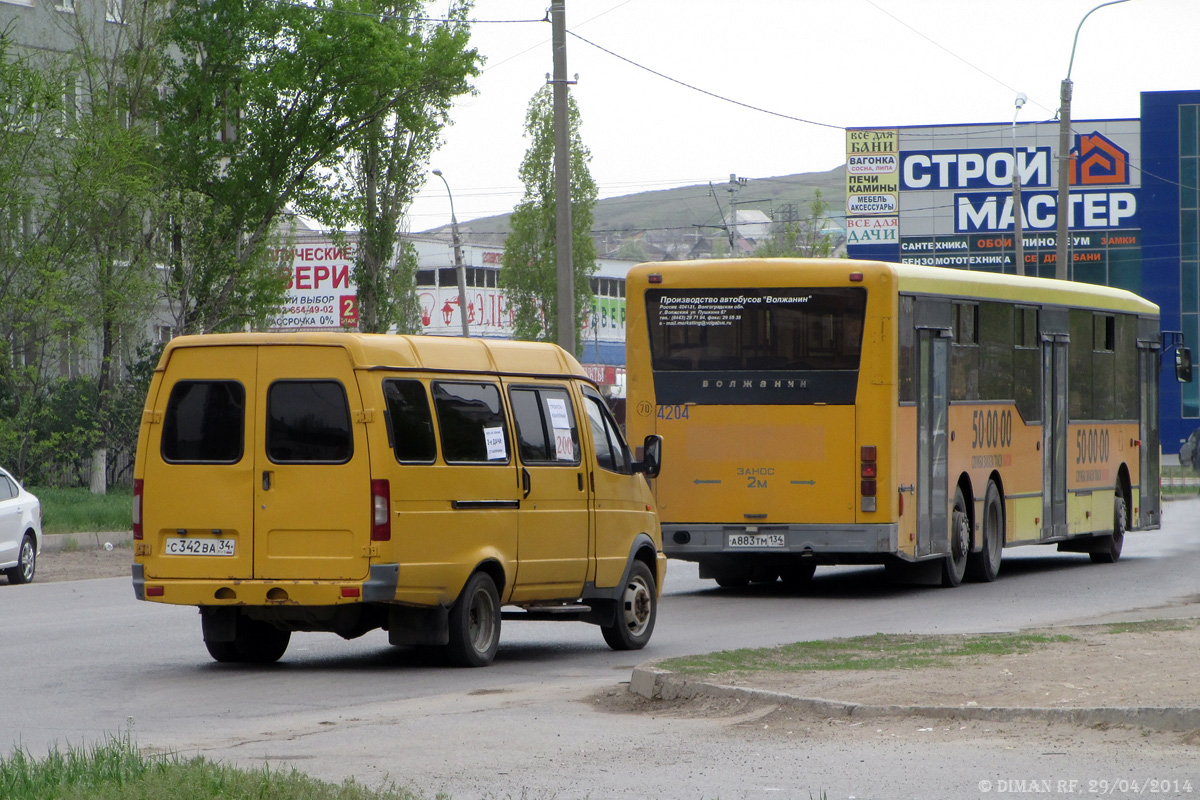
(1097, 160)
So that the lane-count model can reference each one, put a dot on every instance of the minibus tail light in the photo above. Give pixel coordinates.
(381, 511)
(137, 509)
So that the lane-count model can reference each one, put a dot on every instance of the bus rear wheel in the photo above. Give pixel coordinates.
(985, 565)
(1109, 550)
(954, 566)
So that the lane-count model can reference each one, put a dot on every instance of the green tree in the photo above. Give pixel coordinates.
(388, 166)
(261, 107)
(529, 273)
(803, 238)
(37, 298)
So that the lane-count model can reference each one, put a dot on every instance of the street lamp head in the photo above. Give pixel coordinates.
(1021, 100)
(437, 172)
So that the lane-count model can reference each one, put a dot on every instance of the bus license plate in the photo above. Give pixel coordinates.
(200, 547)
(755, 540)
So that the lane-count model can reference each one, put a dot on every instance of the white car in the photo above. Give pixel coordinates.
(20, 530)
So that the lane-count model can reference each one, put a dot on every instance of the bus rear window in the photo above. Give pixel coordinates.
(752, 338)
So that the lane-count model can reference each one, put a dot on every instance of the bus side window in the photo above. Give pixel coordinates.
(471, 422)
(410, 421)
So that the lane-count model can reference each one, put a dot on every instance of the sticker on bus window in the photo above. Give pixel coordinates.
(557, 407)
(494, 439)
(564, 445)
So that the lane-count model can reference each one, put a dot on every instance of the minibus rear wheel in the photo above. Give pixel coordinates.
(636, 611)
(475, 623)
(260, 642)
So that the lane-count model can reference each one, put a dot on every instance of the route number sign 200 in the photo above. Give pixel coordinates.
(991, 429)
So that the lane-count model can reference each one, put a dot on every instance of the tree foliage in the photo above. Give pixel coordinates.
(804, 238)
(387, 166)
(529, 273)
(261, 109)
(152, 166)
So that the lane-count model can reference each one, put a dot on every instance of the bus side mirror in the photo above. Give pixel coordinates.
(1183, 365)
(651, 461)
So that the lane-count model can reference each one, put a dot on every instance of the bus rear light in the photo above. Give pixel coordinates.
(381, 511)
(868, 472)
(351, 591)
(137, 508)
(654, 277)
(856, 277)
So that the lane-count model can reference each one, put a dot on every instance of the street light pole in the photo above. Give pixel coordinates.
(1064, 155)
(1018, 210)
(458, 259)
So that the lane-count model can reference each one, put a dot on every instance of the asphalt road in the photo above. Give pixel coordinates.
(82, 660)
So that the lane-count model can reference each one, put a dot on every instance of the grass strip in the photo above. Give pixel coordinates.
(117, 770)
(877, 652)
(78, 510)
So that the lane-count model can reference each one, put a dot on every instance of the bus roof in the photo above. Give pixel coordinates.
(909, 279)
(384, 351)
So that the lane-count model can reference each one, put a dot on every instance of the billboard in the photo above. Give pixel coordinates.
(320, 292)
(954, 204)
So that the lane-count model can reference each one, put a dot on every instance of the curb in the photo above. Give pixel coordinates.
(655, 684)
(58, 542)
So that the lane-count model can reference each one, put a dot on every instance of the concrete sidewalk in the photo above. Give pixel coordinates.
(1124, 669)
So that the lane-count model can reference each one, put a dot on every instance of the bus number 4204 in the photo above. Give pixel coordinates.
(672, 412)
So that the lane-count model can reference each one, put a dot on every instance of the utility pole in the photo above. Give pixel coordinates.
(563, 246)
(1064, 176)
(735, 183)
(1064, 156)
(1018, 206)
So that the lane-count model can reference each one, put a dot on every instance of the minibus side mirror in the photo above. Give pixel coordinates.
(651, 461)
(1183, 365)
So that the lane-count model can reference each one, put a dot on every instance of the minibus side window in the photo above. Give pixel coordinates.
(471, 423)
(205, 422)
(611, 452)
(410, 420)
(546, 429)
(308, 422)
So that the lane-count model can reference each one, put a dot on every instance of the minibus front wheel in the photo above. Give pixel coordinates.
(636, 611)
(475, 623)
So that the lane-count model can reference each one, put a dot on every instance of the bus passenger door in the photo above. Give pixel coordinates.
(1054, 432)
(933, 402)
(1148, 365)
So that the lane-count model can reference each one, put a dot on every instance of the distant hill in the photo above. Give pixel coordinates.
(674, 220)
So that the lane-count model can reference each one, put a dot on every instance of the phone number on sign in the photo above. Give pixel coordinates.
(1122, 787)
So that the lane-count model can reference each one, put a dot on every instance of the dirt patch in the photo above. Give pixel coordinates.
(84, 564)
(1147, 664)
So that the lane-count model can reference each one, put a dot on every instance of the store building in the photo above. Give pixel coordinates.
(943, 195)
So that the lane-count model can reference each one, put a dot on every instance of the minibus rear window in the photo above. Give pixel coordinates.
(308, 422)
(204, 422)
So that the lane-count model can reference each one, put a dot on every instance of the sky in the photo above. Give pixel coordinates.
(683, 92)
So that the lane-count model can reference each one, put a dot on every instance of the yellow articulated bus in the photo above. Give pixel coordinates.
(347, 482)
(853, 412)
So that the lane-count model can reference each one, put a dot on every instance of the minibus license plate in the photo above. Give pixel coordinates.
(200, 547)
(740, 540)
